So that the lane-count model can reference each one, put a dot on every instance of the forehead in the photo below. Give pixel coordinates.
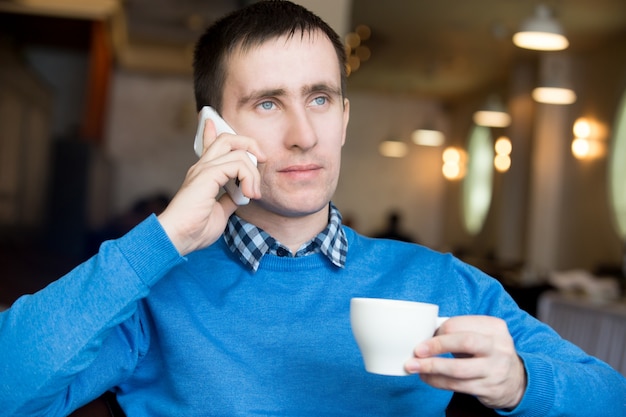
(286, 60)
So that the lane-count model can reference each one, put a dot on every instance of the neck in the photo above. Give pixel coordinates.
(291, 231)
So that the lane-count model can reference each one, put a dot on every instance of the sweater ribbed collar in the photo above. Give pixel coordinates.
(250, 243)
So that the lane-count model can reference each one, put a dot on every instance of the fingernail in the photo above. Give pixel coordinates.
(422, 351)
(412, 367)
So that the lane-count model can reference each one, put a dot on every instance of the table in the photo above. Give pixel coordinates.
(599, 328)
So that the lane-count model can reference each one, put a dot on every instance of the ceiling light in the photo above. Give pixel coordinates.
(393, 148)
(541, 32)
(427, 137)
(555, 80)
(493, 115)
(492, 118)
(554, 95)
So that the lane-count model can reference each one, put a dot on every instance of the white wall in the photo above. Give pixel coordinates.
(371, 185)
(149, 135)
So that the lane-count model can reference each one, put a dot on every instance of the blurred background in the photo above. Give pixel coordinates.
(97, 119)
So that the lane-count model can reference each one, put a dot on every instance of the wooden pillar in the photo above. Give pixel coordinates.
(97, 89)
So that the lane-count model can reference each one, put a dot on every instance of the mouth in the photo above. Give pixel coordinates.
(301, 172)
(300, 168)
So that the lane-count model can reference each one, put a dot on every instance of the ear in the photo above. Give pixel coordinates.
(346, 118)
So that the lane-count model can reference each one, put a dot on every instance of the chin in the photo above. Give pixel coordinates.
(296, 207)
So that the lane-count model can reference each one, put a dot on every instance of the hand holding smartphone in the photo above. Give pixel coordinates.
(232, 187)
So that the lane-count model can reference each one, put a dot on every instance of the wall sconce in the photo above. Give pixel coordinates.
(588, 140)
(356, 51)
(453, 163)
(393, 148)
(541, 32)
(493, 115)
(427, 137)
(502, 159)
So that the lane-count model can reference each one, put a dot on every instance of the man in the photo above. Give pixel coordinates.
(214, 309)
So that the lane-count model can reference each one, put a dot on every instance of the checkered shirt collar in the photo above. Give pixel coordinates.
(250, 243)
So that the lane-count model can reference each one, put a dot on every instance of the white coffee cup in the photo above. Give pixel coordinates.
(387, 331)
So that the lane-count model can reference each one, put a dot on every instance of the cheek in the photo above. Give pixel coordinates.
(264, 171)
(334, 139)
(269, 180)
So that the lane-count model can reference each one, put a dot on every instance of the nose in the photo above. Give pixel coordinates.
(301, 132)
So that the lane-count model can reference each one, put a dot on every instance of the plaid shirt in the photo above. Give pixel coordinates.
(251, 243)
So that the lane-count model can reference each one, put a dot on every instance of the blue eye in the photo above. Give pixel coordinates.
(267, 105)
(319, 101)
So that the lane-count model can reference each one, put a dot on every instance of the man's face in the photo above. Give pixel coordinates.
(286, 94)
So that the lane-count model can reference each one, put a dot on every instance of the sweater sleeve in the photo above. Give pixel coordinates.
(47, 339)
(562, 380)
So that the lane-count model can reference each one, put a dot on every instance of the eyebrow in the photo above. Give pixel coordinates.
(259, 94)
(278, 92)
(321, 88)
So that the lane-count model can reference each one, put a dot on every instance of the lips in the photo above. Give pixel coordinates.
(300, 168)
(301, 172)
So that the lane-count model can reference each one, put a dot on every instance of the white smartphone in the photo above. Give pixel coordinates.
(232, 187)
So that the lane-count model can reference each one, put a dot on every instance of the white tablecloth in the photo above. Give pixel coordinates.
(597, 328)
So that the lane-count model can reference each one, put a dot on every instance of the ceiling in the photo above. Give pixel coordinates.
(453, 47)
(442, 48)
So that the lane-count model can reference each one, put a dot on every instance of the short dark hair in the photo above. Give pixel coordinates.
(251, 26)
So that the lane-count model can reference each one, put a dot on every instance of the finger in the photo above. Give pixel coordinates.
(227, 143)
(211, 175)
(214, 145)
(249, 178)
(472, 376)
(209, 134)
(478, 324)
(463, 344)
(474, 387)
(237, 165)
(452, 368)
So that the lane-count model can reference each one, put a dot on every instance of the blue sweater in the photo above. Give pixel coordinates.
(203, 336)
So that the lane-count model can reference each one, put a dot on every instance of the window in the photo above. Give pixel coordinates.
(617, 170)
(478, 183)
